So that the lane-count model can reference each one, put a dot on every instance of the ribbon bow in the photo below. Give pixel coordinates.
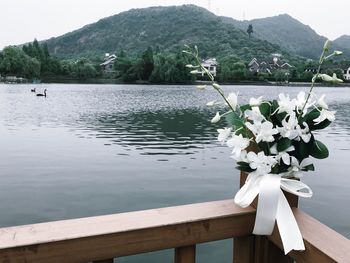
(273, 206)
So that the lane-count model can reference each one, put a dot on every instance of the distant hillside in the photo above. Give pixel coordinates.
(343, 43)
(286, 32)
(167, 28)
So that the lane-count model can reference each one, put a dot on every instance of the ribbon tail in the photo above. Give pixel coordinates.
(269, 190)
(288, 227)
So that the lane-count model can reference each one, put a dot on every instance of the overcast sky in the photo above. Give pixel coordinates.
(23, 20)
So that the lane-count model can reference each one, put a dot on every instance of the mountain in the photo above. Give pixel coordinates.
(164, 28)
(343, 43)
(285, 31)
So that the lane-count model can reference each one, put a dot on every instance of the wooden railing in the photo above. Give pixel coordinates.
(103, 238)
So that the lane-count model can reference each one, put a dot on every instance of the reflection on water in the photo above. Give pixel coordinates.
(98, 149)
(167, 132)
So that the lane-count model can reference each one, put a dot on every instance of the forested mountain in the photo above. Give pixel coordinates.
(343, 43)
(290, 34)
(162, 28)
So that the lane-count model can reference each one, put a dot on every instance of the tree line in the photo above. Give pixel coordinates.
(33, 61)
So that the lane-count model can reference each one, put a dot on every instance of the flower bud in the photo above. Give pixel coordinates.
(216, 86)
(216, 118)
(327, 45)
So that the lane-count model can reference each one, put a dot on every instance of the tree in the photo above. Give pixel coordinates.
(232, 69)
(15, 61)
(250, 30)
(147, 63)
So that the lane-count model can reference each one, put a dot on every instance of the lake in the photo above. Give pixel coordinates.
(89, 150)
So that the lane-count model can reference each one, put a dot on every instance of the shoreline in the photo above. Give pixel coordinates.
(103, 81)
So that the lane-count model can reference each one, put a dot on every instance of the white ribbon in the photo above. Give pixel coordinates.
(273, 206)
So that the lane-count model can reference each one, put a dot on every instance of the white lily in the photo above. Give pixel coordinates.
(255, 102)
(285, 104)
(224, 134)
(238, 143)
(254, 115)
(261, 163)
(216, 118)
(232, 100)
(305, 133)
(201, 87)
(289, 128)
(321, 103)
(241, 158)
(296, 168)
(212, 103)
(335, 79)
(325, 115)
(284, 155)
(266, 132)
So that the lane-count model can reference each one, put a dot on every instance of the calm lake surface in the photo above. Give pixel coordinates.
(89, 150)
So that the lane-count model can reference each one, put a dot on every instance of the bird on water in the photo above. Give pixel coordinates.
(42, 95)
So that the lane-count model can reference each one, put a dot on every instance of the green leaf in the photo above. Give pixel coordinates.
(320, 126)
(234, 120)
(283, 144)
(265, 109)
(319, 150)
(309, 167)
(245, 107)
(302, 149)
(244, 167)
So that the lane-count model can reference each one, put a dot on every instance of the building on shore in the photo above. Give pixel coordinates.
(211, 65)
(108, 63)
(275, 62)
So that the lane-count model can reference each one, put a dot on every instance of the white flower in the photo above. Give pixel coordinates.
(216, 118)
(335, 79)
(289, 128)
(322, 103)
(212, 103)
(201, 87)
(238, 143)
(284, 155)
(241, 158)
(304, 134)
(328, 78)
(300, 100)
(232, 100)
(285, 104)
(255, 102)
(296, 168)
(216, 86)
(266, 132)
(325, 115)
(224, 134)
(254, 115)
(260, 162)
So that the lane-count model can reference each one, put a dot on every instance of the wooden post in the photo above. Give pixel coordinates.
(185, 254)
(258, 249)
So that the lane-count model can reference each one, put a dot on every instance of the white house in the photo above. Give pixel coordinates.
(347, 74)
(211, 65)
(108, 63)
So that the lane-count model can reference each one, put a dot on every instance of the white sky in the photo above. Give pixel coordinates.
(23, 20)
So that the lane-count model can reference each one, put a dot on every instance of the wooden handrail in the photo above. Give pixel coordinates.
(103, 237)
(181, 227)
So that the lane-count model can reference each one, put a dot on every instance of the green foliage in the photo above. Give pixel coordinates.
(163, 28)
(232, 68)
(13, 61)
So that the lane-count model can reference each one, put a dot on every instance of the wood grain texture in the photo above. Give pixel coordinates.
(98, 238)
(185, 254)
(322, 244)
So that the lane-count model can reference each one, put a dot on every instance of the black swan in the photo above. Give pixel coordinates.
(42, 95)
(33, 90)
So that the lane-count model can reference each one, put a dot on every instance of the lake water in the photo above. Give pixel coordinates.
(89, 150)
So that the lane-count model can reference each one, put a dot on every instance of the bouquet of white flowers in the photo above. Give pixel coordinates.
(273, 142)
